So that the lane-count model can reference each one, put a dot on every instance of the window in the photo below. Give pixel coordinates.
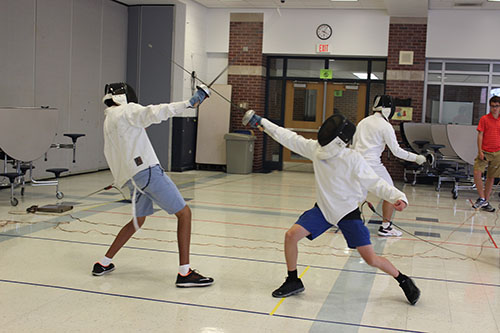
(276, 67)
(305, 67)
(378, 70)
(457, 92)
(350, 69)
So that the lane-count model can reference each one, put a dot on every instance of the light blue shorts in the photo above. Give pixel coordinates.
(157, 188)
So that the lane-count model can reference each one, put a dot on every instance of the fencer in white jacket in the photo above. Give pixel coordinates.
(373, 133)
(133, 162)
(342, 179)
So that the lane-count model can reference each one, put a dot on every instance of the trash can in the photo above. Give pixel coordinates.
(239, 152)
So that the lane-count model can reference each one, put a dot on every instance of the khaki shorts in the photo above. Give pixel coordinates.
(492, 161)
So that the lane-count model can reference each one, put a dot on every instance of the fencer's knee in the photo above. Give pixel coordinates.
(184, 213)
(140, 221)
(291, 236)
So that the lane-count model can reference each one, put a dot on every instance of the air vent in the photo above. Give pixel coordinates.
(406, 57)
(468, 3)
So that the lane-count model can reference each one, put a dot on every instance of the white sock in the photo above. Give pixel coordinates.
(184, 269)
(105, 261)
(386, 225)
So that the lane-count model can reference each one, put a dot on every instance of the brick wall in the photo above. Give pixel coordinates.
(405, 81)
(246, 74)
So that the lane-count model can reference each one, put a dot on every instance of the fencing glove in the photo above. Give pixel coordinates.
(420, 159)
(199, 96)
(252, 119)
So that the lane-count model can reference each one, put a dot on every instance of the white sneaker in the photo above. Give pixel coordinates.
(389, 231)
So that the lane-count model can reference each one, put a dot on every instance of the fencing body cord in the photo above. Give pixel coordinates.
(370, 205)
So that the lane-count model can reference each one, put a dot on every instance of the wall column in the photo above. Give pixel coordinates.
(405, 81)
(246, 73)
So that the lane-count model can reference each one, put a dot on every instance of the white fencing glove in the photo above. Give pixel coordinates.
(421, 159)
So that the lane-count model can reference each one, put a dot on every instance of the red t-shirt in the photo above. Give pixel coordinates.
(491, 133)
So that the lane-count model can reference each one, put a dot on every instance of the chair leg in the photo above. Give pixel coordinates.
(13, 200)
(59, 194)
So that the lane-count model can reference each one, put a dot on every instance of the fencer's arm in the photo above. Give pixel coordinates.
(290, 139)
(392, 142)
(144, 116)
(480, 136)
(400, 205)
(376, 185)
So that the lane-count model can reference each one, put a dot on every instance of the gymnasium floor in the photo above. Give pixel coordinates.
(237, 238)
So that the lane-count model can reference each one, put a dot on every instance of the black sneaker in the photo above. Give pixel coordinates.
(101, 270)
(480, 202)
(488, 207)
(193, 279)
(411, 291)
(289, 288)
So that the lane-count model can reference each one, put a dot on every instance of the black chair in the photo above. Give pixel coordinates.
(74, 137)
(57, 173)
(12, 179)
(24, 167)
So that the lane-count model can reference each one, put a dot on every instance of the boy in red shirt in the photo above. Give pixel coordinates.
(488, 145)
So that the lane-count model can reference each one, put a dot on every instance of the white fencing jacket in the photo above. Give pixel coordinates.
(126, 145)
(372, 134)
(342, 176)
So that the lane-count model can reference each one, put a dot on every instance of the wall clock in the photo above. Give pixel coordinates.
(324, 31)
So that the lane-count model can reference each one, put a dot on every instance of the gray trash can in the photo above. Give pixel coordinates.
(239, 152)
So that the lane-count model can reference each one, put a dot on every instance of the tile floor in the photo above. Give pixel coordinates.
(237, 238)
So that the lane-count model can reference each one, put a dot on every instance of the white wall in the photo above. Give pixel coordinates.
(195, 56)
(60, 53)
(355, 32)
(463, 34)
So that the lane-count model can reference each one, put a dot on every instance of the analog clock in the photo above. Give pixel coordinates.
(324, 31)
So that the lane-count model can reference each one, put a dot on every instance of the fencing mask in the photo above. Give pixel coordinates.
(118, 94)
(336, 126)
(334, 135)
(384, 104)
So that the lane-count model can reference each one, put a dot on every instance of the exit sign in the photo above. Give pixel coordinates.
(322, 48)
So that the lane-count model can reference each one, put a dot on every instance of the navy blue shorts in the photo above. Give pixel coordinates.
(355, 232)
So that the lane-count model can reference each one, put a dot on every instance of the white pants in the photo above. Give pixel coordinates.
(381, 171)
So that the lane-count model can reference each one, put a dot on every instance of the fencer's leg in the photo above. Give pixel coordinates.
(386, 229)
(411, 291)
(478, 180)
(488, 186)
(387, 211)
(371, 258)
(292, 237)
(123, 236)
(292, 285)
(183, 234)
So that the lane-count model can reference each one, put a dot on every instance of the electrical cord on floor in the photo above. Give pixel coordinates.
(427, 241)
(109, 187)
